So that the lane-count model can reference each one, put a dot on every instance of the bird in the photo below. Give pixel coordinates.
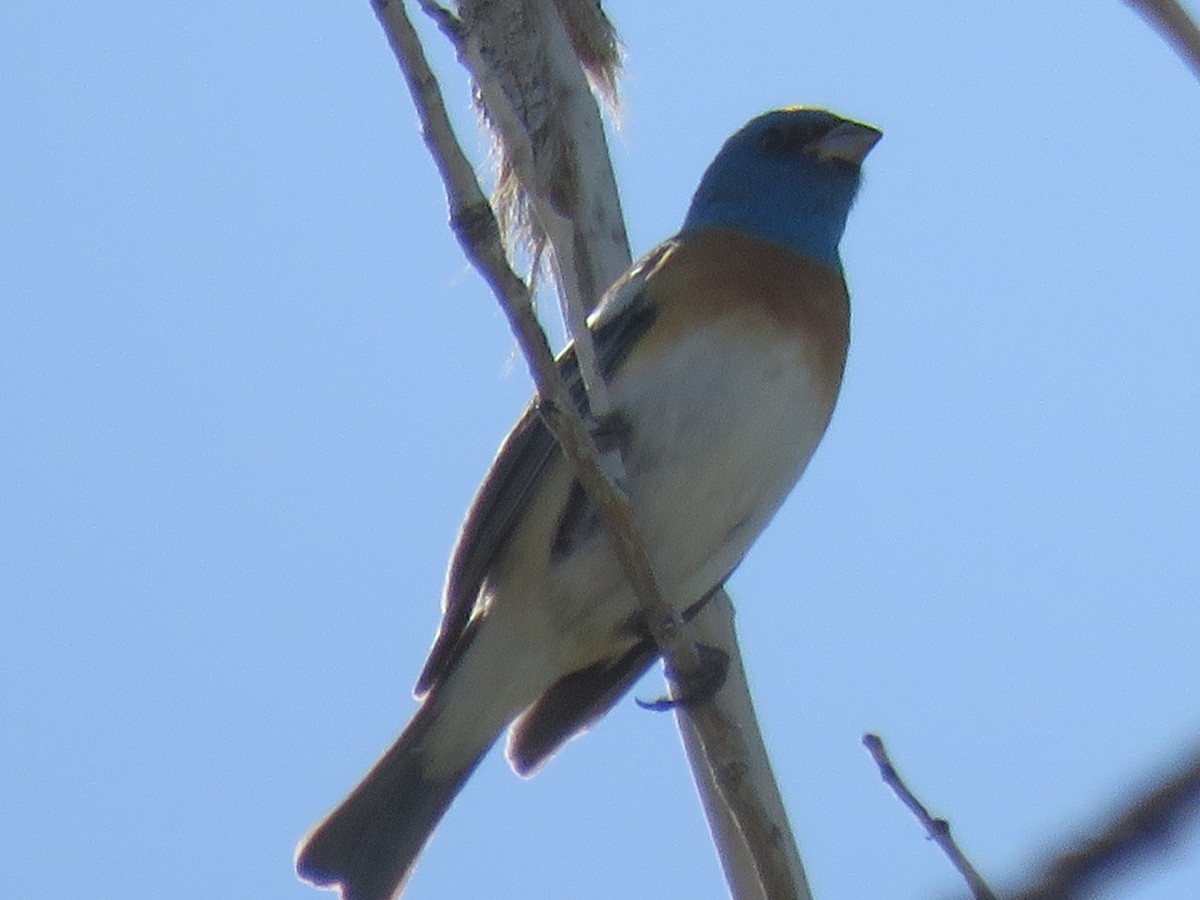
(723, 350)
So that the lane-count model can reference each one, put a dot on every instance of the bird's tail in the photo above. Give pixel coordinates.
(368, 845)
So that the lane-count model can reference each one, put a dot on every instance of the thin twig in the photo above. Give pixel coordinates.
(556, 186)
(729, 760)
(1149, 827)
(1172, 21)
(478, 232)
(938, 830)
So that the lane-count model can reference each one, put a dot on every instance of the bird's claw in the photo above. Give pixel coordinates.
(695, 687)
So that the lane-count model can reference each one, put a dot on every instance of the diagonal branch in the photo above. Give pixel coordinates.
(1172, 21)
(938, 830)
(732, 770)
(579, 221)
(478, 232)
(1147, 828)
(556, 188)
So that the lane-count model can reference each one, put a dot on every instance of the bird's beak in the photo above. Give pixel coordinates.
(849, 142)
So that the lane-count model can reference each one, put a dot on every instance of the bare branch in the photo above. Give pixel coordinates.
(745, 811)
(567, 182)
(1149, 827)
(1172, 21)
(938, 830)
(478, 232)
(556, 179)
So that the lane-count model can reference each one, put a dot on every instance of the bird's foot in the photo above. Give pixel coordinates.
(695, 687)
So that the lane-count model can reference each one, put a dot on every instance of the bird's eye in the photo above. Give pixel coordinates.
(775, 139)
(791, 139)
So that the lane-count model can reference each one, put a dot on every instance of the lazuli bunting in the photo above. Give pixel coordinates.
(723, 349)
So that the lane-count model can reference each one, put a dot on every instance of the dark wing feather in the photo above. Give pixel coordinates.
(574, 703)
(524, 456)
(579, 698)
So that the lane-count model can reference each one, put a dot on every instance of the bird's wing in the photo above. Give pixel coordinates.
(528, 451)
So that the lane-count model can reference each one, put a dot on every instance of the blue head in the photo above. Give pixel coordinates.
(788, 176)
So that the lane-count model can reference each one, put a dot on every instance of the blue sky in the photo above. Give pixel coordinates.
(248, 386)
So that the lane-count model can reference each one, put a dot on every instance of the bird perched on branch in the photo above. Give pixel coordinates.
(723, 349)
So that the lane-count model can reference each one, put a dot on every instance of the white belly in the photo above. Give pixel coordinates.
(721, 431)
